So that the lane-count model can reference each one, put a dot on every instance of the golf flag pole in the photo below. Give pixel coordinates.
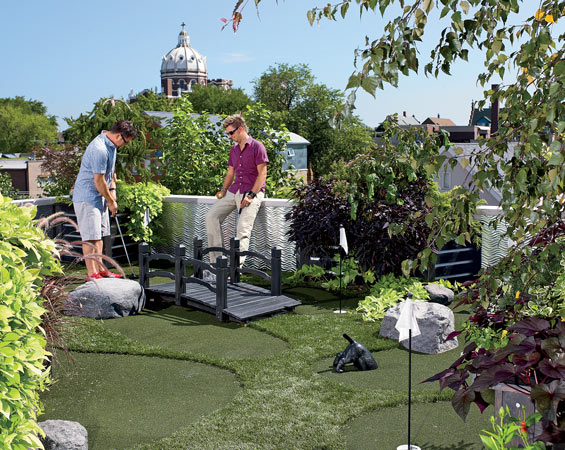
(407, 326)
(345, 248)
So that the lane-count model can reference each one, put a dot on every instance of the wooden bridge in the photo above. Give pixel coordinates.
(228, 297)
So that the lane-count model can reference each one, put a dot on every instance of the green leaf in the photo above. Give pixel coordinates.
(556, 159)
(428, 5)
(370, 84)
(559, 68)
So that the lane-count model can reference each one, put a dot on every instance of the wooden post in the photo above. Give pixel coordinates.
(276, 271)
(180, 252)
(234, 260)
(197, 254)
(222, 271)
(143, 252)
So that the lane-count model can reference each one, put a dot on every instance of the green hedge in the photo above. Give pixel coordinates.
(26, 256)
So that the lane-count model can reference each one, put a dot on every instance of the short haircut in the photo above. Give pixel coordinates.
(124, 127)
(237, 121)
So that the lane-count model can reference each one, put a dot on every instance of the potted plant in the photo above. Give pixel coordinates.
(516, 335)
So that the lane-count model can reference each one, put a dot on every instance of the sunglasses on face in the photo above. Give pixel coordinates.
(124, 139)
(230, 133)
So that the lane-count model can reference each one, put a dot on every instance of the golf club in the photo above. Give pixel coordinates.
(132, 276)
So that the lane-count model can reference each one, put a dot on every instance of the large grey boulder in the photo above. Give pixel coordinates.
(106, 298)
(64, 435)
(439, 294)
(435, 321)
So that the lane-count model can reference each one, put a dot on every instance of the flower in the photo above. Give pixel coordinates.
(539, 14)
(517, 294)
(523, 427)
(549, 18)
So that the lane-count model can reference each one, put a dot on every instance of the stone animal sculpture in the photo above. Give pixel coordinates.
(355, 353)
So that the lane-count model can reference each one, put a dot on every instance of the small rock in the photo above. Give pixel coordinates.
(435, 321)
(106, 298)
(439, 294)
(64, 435)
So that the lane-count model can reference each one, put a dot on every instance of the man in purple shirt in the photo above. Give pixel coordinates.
(247, 164)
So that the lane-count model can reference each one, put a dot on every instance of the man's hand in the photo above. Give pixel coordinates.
(246, 201)
(220, 193)
(113, 207)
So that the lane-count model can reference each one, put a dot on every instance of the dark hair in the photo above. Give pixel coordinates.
(124, 127)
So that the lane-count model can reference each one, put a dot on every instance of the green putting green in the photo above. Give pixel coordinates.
(127, 400)
(393, 370)
(181, 329)
(434, 426)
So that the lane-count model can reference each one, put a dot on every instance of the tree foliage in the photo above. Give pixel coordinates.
(313, 111)
(150, 101)
(24, 124)
(196, 150)
(103, 115)
(62, 163)
(215, 100)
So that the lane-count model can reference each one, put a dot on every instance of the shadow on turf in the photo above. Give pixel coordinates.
(178, 316)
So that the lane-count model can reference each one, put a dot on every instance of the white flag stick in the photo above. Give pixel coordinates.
(407, 320)
(343, 240)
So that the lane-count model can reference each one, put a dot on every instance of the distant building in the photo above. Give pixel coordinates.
(26, 173)
(184, 67)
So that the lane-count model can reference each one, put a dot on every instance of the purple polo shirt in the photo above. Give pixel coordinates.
(245, 163)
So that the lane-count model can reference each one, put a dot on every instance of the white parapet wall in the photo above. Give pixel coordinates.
(184, 218)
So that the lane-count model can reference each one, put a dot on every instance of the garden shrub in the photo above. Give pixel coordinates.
(26, 256)
(137, 198)
(6, 186)
(387, 292)
(380, 237)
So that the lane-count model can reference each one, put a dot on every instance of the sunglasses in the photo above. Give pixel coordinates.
(230, 133)
(124, 139)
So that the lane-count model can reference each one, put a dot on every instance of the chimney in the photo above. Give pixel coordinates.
(494, 111)
(438, 115)
(404, 113)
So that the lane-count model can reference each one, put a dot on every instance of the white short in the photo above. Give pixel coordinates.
(93, 224)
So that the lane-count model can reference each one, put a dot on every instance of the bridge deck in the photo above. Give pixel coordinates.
(245, 301)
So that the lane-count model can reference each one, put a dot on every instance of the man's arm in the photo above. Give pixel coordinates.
(102, 187)
(228, 180)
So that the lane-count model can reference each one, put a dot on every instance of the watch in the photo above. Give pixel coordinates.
(252, 194)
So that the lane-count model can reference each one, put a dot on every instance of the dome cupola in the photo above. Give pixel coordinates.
(183, 66)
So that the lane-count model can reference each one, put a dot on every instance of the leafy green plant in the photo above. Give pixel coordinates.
(387, 292)
(139, 198)
(27, 257)
(505, 432)
(6, 186)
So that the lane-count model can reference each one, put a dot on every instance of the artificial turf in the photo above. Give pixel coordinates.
(123, 400)
(288, 400)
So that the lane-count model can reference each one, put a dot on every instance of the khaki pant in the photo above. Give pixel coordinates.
(221, 209)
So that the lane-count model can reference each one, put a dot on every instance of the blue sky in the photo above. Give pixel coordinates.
(68, 54)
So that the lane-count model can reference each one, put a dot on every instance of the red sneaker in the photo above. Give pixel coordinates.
(94, 276)
(108, 274)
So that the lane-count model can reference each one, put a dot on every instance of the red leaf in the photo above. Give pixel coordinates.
(223, 19)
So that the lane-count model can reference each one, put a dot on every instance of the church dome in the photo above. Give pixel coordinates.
(183, 59)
